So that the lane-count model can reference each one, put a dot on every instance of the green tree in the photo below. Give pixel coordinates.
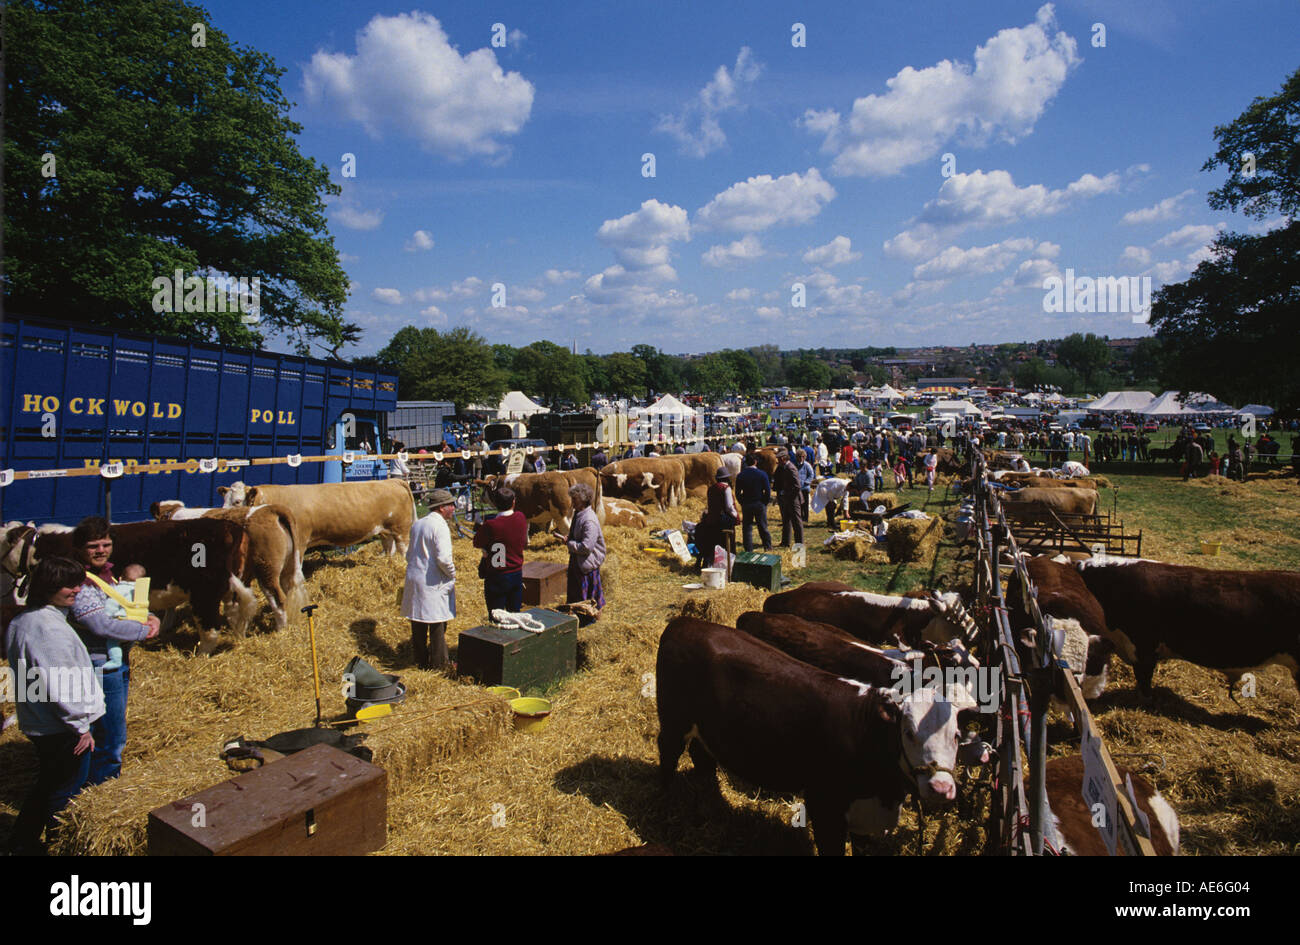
(165, 156)
(551, 372)
(1230, 328)
(456, 365)
(745, 369)
(808, 372)
(769, 363)
(625, 374)
(1087, 355)
(712, 376)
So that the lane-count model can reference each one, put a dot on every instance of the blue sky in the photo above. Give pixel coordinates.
(775, 164)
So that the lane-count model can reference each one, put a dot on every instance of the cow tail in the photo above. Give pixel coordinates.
(292, 582)
(600, 503)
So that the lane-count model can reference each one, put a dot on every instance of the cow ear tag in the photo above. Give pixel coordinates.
(111, 470)
(295, 459)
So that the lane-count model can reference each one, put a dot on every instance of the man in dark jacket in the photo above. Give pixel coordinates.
(788, 496)
(754, 490)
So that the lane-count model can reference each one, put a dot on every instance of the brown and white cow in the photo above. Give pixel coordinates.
(1064, 598)
(338, 514)
(658, 480)
(877, 618)
(543, 498)
(1232, 621)
(272, 558)
(1035, 504)
(198, 561)
(1074, 820)
(847, 747)
(622, 514)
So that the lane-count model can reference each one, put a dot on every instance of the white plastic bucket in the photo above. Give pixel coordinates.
(714, 578)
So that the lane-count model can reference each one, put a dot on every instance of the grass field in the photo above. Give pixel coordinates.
(587, 783)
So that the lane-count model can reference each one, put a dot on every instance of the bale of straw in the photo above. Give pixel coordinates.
(722, 606)
(913, 539)
(859, 548)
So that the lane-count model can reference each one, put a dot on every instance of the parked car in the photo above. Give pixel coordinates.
(1150, 427)
(1202, 428)
(1128, 427)
(1106, 427)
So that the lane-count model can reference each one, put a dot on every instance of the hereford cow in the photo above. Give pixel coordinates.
(877, 618)
(1037, 504)
(621, 514)
(699, 471)
(1074, 820)
(1034, 481)
(659, 480)
(198, 561)
(1067, 602)
(338, 514)
(543, 498)
(272, 548)
(845, 746)
(1232, 621)
(766, 460)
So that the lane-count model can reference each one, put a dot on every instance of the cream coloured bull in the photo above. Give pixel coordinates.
(699, 471)
(620, 513)
(338, 514)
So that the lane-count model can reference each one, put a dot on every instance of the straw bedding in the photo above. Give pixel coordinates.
(588, 782)
(913, 539)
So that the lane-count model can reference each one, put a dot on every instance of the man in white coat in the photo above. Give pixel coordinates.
(429, 595)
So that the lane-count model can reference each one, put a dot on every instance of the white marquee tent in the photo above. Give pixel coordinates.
(1120, 401)
(1256, 410)
(958, 408)
(668, 405)
(516, 406)
(1168, 405)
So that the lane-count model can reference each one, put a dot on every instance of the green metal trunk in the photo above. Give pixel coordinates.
(758, 569)
(497, 656)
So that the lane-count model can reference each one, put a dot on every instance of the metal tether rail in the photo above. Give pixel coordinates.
(1020, 817)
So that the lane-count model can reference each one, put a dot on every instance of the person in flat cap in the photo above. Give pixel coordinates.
(720, 514)
(429, 594)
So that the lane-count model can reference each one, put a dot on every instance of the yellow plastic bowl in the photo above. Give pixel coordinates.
(1210, 547)
(505, 692)
(531, 715)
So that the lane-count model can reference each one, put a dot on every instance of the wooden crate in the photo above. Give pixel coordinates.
(545, 583)
(497, 656)
(316, 802)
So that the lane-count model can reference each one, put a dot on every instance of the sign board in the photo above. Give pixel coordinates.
(1098, 790)
(515, 464)
(678, 544)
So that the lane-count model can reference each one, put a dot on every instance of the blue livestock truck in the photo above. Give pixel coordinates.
(74, 397)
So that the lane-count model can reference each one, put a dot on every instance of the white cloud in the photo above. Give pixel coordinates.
(434, 314)
(760, 202)
(556, 276)
(348, 257)
(1136, 255)
(408, 78)
(977, 260)
(733, 254)
(768, 312)
(696, 127)
(527, 294)
(1266, 226)
(1016, 73)
(420, 240)
(387, 296)
(1166, 209)
(988, 198)
(515, 39)
(740, 295)
(463, 289)
(640, 241)
(345, 212)
(835, 253)
(1192, 234)
(1032, 272)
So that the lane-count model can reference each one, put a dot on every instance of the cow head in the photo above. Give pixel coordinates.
(930, 733)
(647, 480)
(17, 555)
(232, 495)
(620, 479)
